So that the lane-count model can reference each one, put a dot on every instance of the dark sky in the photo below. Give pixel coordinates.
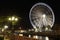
(21, 8)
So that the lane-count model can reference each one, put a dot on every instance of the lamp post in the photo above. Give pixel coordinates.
(13, 20)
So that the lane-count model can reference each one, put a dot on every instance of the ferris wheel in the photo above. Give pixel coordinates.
(41, 15)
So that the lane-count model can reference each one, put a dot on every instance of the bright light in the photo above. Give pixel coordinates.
(35, 36)
(13, 18)
(44, 15)
(22, 31)
(5, 26)
(36, 30)
(9, 18)
(29, 36)
(16, 19)
(46, 28)
(20, 34)
(47, 38)
(2, 30)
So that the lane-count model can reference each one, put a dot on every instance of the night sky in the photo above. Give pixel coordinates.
(21, 8)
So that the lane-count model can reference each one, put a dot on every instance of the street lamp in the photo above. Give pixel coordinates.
(13, 20)
(16, 19)
(9, 19)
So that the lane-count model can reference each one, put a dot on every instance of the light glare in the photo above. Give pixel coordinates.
(44, 15)
(47, 38)
(46, 28)
(29, 36)
(9, 18)
(22, 31)
(35, 36)
(20, 34)
(2, 30)
(5, 26)
(16, 19)
(13, 18)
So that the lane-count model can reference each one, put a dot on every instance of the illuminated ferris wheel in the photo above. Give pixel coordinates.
(41, 15)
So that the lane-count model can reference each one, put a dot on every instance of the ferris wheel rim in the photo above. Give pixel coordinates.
(43, 5)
